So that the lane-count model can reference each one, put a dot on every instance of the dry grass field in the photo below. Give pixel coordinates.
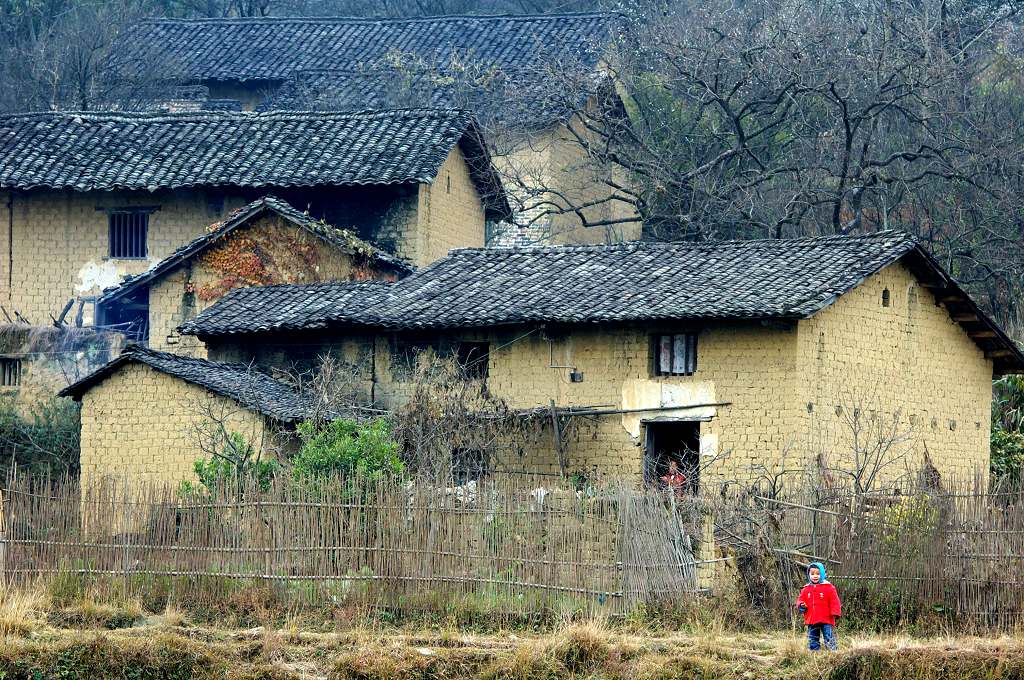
(47, 636)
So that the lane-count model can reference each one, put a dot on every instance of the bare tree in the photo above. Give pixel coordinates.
(783, 118)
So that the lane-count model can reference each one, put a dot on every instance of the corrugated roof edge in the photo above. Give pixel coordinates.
(1006, 356)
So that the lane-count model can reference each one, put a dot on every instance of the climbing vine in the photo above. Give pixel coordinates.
(273, 254)
(259, 258)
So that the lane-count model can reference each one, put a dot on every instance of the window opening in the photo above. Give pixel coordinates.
(675, 354)
(128, 233)
(672, 456)
(10, 372)
(885, 298)
(469, 465)
(473, 357)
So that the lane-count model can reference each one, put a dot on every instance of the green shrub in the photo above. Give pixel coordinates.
(345, 447)
(1007, 462)
(237, 464)
(46, 438)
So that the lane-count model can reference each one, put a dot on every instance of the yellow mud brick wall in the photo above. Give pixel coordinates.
(177, 296)
(450, 214)
(751, 366)
(554, 159)
(61, 243)
(909, 361)
(142, 423)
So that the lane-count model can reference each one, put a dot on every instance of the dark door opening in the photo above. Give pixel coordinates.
(671, 442)
(128, 314)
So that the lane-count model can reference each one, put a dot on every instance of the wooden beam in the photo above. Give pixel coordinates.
(982, 334)
(999, 353)
(959, 318)
(952, 298)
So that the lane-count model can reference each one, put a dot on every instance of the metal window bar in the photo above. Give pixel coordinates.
(128, 233)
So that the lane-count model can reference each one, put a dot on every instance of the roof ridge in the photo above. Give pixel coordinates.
(389, 20)
(142, 350)
(313, 285)
(231, 115)
(626, 245)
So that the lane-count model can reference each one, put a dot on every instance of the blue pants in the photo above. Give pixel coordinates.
(818, 633)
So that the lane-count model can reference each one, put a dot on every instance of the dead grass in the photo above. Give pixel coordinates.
(21, 611)
(39, 634)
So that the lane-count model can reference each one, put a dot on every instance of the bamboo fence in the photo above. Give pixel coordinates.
(955, 552)
(503, 543)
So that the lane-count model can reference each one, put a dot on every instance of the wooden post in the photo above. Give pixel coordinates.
(557, 428)
(3, 542)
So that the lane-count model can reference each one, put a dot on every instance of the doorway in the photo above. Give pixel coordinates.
(667, 442)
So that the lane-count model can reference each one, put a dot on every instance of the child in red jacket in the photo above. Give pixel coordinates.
(819, 603)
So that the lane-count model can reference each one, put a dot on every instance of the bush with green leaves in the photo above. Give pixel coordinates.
(1007, 462)
(236, 465)
(345, 447)
(45, 438)
(1007, 438)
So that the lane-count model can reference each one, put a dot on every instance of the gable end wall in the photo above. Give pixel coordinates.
(910, 359)
(142, 423)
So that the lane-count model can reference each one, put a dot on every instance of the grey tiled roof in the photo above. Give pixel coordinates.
(342, 239)
(89, 151)
(631, 282)
(248, 386)
(518, 97)
(275, 48)
(587, 284)
(291, 307)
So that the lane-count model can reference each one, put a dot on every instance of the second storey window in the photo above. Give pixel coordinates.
(128, 232)
(675, 354)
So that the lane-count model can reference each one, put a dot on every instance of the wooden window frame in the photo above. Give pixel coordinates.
(11, 371)
(681, 357)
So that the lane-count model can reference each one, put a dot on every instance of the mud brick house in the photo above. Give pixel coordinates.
(523, 75)
(264, 242)
(145, 412)
(94, 197)
(743, 355)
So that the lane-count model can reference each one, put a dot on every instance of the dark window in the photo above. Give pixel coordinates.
(473, 357)
(885, 297)
(128, 230)
(675, 354)
(10, 372)
(469, 465)
(405, 357)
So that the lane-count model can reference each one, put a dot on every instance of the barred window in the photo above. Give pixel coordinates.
(675, 354)
(128, 231)
(10, 372)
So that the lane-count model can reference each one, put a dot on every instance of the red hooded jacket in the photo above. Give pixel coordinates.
(822, 601)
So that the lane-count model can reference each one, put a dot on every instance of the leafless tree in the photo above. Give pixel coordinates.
(780, 118)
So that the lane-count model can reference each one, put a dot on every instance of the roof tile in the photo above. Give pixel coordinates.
(90, 151)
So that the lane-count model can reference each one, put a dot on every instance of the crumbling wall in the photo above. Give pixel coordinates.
(60, 247)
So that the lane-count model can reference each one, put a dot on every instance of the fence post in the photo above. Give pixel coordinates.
(3, 541)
